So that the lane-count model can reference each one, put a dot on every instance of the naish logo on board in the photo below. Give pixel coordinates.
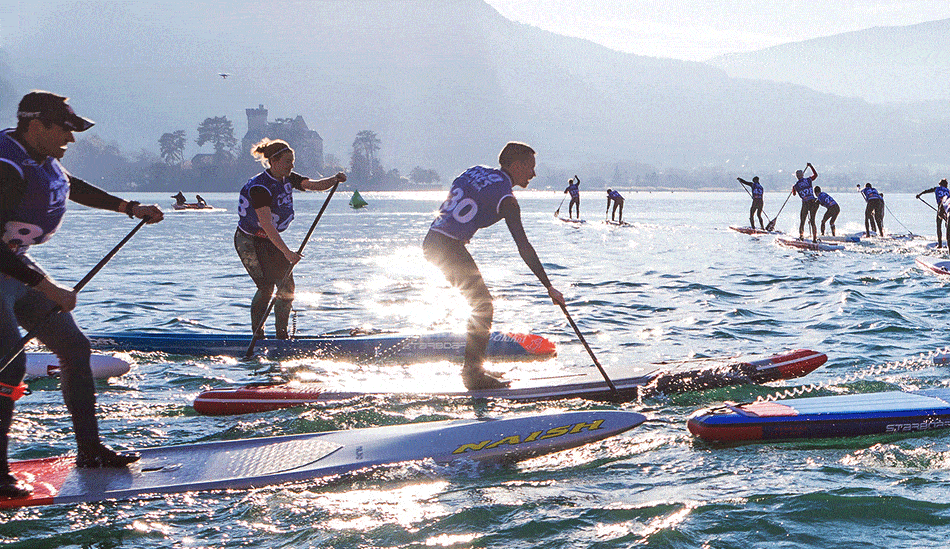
(553, 432)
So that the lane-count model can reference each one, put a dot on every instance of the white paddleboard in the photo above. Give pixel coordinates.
(39, 365)
(250, 463)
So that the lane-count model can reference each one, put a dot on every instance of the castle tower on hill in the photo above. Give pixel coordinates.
(307, 143)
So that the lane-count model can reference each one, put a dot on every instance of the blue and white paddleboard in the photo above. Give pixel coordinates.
(572, 220)
(501, 345)
(823, 417)
(40, 365)
(251, 463)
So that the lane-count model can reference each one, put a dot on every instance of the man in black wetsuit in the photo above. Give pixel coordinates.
(34, 188)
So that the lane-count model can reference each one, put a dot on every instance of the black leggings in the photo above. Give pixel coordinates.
(809, 209)
(874, 216)
(460, 270)
(757, 204)
(267, 266)
(831, 215)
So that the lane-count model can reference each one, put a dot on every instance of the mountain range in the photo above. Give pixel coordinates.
(446, 83)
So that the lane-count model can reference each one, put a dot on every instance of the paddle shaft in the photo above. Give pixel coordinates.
(928, 204)
(290, 269)
(11, 356)
(590, 352)
(558, 210)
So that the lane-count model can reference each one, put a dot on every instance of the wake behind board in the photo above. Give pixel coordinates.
(808, 245)
(40, 365)
(753, 230)
(501, 346)
(263, 398)
(933, 264)
(825, 417)
(251, 463)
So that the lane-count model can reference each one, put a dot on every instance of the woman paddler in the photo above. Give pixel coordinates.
(265, 209)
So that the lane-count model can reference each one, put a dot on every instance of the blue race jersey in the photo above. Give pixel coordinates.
(40, 212)
(614, 195)
(804, 190)
(825, 200)
(281, 206)
(474, 202)
(943, 198)
(574, 189)
(871, 194)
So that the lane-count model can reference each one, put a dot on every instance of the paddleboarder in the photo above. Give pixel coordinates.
(832, 209)
(480, 197)
(265, 209)
(803, 188)
(942, 194)
(617, 199)
(573, 188)
(874, 211)
(34, 188)
(757, 200)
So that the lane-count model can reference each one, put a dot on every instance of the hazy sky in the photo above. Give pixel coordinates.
(700, 29)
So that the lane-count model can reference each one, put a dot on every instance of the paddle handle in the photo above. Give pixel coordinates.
(580, 336)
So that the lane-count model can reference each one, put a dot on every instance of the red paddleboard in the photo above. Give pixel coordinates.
(753, 230)
(934, 265)
(809, 245)
(667, 380)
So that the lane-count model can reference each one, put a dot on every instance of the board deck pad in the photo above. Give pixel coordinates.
(825, 417)
(666, 380)
(248, 463)
(501, 345)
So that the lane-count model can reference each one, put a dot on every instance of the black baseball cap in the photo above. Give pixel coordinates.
(49, 107)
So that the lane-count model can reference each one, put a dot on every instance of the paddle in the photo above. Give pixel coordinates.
(928, 204)
(753, 198)
(591, 353)
(303, 244)
(771, 226)
(9, 357)
(558, 210)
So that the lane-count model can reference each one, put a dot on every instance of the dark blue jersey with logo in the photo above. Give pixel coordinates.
(474, 202)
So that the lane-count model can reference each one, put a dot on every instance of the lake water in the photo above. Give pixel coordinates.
(676, 285)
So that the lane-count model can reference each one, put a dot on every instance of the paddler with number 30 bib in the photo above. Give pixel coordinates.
(481, 197)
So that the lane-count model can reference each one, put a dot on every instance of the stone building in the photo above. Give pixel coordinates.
(307, 143)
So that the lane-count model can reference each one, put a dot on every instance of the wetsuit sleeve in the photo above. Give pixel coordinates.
(260, 197)
(12, 187)
(512, 213)
(89, 195)
(296, 180)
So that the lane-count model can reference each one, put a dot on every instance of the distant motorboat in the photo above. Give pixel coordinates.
(200, 203)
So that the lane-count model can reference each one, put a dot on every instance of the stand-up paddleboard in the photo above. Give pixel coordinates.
(572, 220)
(942, 358)
(841, 238)
(617, 223)
(40, 365)
(501, 346)
(933, 264)
(808, 245)
(251, 463)
(823, 417)
(263, 398)
(753, 230)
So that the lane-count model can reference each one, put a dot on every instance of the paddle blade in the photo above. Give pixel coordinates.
(771, 226)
